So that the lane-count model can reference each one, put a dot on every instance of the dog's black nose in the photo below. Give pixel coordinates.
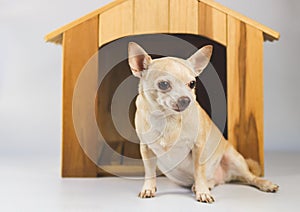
(183, 102)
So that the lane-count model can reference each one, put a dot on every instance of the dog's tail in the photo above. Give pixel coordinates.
(254, 167)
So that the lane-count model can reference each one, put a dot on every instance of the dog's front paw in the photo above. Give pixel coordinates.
(147, 193)
(204, 197)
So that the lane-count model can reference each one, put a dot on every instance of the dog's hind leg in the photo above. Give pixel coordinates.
(236, 169)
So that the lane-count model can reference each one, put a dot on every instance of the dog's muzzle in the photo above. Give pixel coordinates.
(182, 103)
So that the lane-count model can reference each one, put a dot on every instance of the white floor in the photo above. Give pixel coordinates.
(35, 185)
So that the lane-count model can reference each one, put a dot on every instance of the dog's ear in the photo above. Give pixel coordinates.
(138, 59)
(201, 58)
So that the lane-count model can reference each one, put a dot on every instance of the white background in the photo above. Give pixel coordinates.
(30, 118)
(30, 72)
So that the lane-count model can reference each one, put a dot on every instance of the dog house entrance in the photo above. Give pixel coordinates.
(116, 94)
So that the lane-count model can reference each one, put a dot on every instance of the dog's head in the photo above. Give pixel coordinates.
(168, 83)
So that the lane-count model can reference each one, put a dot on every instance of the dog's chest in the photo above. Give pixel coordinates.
(171, 136)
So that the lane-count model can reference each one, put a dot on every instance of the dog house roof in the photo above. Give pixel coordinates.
(269, 34)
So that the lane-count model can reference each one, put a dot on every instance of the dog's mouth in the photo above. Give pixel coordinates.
(178, 110)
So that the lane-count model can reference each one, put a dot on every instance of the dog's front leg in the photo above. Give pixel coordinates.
(149, 160)
(200, 186)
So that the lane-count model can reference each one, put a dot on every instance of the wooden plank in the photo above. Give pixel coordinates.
(183, 16)
(79, 44)
(123, 170)
(151, 16)
(254, 88)
(245, 89)
(233, 83)
(116, 22)
(269, 34)
(56, 35)
(212, 23)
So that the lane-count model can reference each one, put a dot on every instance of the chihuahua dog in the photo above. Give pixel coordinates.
(176, 134)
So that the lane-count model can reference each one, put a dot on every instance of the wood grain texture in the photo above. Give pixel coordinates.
(183, 16)
(56, 35)
(151, 16)
(150, 7)
(212, 23)
(269, 34)
(245, 89)
(79, 43)
(116, 22)
(123, 170)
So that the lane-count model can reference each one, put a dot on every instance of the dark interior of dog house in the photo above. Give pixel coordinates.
(157, 45)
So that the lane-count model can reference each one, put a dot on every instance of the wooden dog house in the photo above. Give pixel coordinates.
(238, 40)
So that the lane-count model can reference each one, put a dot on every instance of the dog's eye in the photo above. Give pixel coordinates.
(164, 85)
(192, 84)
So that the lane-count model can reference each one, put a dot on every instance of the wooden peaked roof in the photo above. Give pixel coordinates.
(269, 34)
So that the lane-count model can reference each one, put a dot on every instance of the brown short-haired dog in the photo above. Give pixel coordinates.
(176, 134)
